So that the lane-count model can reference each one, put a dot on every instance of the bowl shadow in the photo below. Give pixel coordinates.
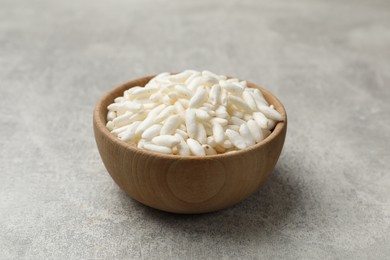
(263, 213)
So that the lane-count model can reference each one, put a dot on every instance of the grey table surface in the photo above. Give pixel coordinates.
(328, 62)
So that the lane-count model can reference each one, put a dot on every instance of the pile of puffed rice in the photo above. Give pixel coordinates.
(192, 113)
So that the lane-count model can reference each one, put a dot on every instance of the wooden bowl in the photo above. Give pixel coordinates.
(180, 184)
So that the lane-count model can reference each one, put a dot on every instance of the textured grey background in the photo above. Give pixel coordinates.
(328, 61)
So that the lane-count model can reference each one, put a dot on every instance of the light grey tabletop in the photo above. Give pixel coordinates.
(327, 61)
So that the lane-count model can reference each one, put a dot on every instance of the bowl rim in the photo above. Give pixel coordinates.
(100, 124)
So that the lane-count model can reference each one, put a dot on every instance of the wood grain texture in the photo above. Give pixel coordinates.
(186, 184)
